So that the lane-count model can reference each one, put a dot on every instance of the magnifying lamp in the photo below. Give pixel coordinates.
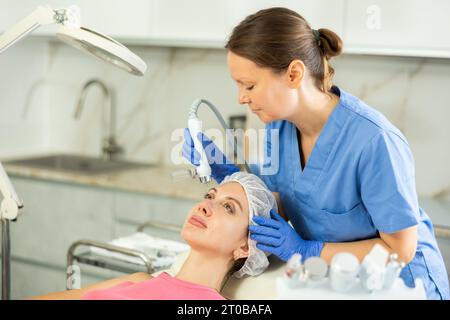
(82, 38)
(9, 209)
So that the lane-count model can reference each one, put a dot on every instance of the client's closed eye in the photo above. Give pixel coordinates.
(229, 207)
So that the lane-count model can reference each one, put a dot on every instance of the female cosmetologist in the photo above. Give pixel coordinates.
(346, 174)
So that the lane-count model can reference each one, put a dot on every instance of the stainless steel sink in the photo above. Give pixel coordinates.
(78, 164)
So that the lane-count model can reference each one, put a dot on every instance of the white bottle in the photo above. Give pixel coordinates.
(203, 169)
(343, 271)
(373, 269)
(393, 269)
(294, 275)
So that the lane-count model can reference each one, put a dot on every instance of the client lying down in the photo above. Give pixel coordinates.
(216, 229)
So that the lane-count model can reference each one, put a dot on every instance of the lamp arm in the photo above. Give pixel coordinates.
(41, 16)
(10, 204)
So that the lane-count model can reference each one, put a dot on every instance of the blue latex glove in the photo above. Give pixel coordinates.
(220, 165)
(278, 237)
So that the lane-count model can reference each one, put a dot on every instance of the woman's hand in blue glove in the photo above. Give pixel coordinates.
(278, 237)
(220, 165)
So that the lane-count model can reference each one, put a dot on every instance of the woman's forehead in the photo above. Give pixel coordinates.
(241, 67)
(232, 189)
(235, 190)
(243, 70)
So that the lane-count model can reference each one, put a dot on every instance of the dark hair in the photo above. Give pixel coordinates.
(274, 37)
(238, 264)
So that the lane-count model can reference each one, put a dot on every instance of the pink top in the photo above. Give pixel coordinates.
(162, 287)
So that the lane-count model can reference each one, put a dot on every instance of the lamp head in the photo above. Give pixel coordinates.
(87, 40)
(103, 47)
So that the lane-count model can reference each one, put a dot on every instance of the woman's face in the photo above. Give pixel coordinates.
(219, 224)
(268, 95)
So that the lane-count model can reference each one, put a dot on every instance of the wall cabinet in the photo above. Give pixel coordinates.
(201, 23)
(211, 22)
(13, 11)
(413, 27)
(319, 13)
(116, 18)
(55, 215)
(198, 20)
(401, 27)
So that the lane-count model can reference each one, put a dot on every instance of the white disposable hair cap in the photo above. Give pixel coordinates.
(260, 201)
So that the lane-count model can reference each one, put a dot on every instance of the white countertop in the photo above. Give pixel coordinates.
(322, 291)
(152, 180)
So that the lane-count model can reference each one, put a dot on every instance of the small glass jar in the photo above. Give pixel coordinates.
(343, 271)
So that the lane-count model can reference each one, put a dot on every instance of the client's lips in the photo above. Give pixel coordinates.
(197, 221)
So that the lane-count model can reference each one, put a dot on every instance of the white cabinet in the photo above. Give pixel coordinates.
(134, 209)
(12, 12)
(115, 18)
(210, 23)
(401, 27)
(205, 21)
(319, 13)
(138, 208)
(29, 278)
(198, 20)
(55, 215)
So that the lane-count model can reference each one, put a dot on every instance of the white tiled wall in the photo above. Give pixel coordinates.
(24, 103)
(149, 108)
(413, 93)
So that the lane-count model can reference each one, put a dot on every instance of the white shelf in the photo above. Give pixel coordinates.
(323, 291)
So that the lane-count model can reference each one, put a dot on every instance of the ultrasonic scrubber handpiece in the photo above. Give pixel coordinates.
(195, 126)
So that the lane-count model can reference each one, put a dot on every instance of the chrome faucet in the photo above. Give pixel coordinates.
(110, 148)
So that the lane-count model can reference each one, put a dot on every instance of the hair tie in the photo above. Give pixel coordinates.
(316, 34)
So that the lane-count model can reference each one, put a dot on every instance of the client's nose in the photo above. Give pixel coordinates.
(206, 208)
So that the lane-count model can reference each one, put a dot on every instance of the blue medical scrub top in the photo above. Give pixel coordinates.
(358, 181)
